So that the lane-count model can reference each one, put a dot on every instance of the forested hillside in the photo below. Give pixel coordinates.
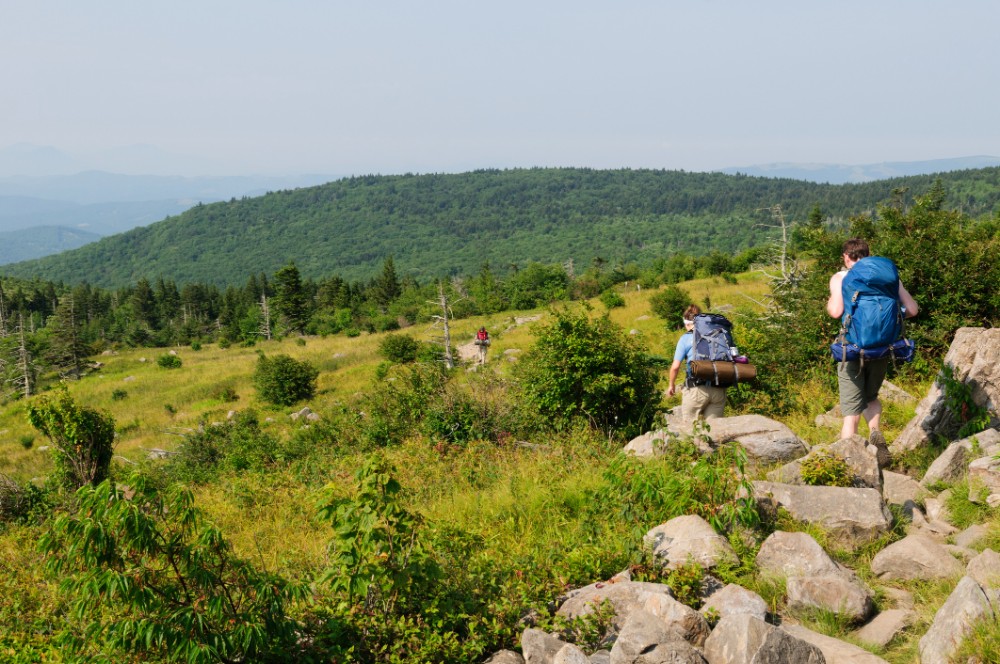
(437, 225)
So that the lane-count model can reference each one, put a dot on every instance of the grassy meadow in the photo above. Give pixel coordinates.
(521, 502)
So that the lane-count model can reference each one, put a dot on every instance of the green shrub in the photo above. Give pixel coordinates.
(612, 299)
(143, 575)
(669, 304)
(823, 469)
(686, 582)
(196, 346)
(399, 348)
(82, 438)
(236, 444)
(119, 395)
(589, 368)
(283, 380)
(169, 361)
(682, 481)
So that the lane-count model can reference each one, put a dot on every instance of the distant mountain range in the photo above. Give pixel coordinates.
(28, 243)
(841, 174)
(455, 224)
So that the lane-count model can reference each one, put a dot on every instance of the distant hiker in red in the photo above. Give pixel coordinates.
(482, 342)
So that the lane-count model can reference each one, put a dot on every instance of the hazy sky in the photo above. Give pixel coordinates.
(393, 86)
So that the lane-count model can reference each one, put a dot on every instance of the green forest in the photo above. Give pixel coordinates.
(440, 224)
(182, 504)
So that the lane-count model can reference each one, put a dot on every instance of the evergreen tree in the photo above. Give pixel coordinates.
(290, 299)
(67, 348)
(386, 287)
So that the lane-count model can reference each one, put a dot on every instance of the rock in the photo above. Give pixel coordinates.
(966, 605)
(671, 652)
(834, 650)
(128, 379)
(985, 472)
(854, 451)
(570, 654)
(814, 580)
(173, 352)
(601, 657)
(766, 441)
(975, 358)
(894, 394)
(655, 443)
(641, 632)
(884, 627)
(681, 618)
(833, 418)
(313, 417)
(157, 453)
(949, 466)
(539, 647)
(916, 556)
(936, 508)
(985, 569)
(735, 599)
(505, 657)
(625, 596)
(743, 639)
(902, 490)
(971, 535)
(853, 517)
(687, 538)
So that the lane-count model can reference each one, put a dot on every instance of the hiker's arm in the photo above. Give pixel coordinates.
(835, 305)
(674, 370)
(908, 302)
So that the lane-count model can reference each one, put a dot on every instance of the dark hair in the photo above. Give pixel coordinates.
(856, 249)
(692, 311)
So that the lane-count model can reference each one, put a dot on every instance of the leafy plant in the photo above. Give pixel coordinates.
(612, 299)
(972, 417)
(283, 380)
(685, 582)
(168, 361)
(669, 304)
(82, 438)
(399, 348)
(823, 469)
(119, 395)
(589, 368)
(143, 574)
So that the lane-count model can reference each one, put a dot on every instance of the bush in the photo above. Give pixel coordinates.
(144, 575)
(669, 304)
(283, 380)
(119, 395)
(169, 361)
(82, 438)
(589, 368)
(612, 299)
(237, 444)
(399, 348)
(824, 469)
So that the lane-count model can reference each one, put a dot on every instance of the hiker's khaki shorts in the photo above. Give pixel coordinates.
(702, 401)
(859, 385)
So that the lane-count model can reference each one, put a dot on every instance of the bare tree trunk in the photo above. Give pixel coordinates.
(265, 312)
(3, 315)
(449, 359)
(26, 377)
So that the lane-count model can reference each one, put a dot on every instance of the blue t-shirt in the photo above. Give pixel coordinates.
(685, 347)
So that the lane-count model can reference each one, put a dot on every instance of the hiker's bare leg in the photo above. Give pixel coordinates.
(873, 414)
(850, 426)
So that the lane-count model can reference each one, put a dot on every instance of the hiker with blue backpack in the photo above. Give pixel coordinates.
(872, 303)
(698, 399)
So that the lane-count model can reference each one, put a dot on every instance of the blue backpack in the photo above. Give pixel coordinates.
(713, 338)
(872, 317)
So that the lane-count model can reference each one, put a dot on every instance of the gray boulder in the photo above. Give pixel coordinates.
(570, 654)
(883, 628)
(853, 517)
(966, 606)
(814, 580)
(640, 633)
(625, 597)
(916, 556)
(854, 451)
(975, 359)
(834, 650)
(985, 472)
(902, 490)
(743, 639)
(689, 538)
(735, 599)
(539, 647)
(766, 441)
(680, 618)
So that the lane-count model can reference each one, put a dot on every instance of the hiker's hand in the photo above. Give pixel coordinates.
(670, 391)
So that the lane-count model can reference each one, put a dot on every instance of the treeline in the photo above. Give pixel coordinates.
(437, 225)
(58, 326)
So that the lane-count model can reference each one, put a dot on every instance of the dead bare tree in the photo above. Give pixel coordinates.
(265, 317)
(444, 321)
(3, 315)
(790, 271)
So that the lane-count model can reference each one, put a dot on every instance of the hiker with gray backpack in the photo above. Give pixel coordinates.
(872, 303)
(713, 363)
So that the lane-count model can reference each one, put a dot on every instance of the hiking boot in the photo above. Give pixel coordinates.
(881, 448)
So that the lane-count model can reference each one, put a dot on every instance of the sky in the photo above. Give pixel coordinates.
(217, 87)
